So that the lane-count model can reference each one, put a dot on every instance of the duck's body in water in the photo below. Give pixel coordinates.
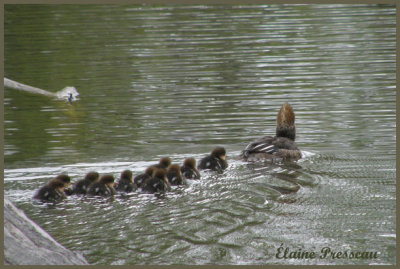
(280, 146)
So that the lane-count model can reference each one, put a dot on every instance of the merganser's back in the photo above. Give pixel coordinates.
(282, 145)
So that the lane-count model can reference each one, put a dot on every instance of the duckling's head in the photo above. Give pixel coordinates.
(190, 162)
(57, 184)
(165, 162)
(285, 122)
(65, 179)
(219, 152)
(161, 174)
(174, 168)
(127, 174)
(92, 176)
(107, 180)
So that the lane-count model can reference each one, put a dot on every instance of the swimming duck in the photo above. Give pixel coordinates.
(64, 178)
(53, 191)
(103, 187)
(81, 186)
(163, 163)
(282, 145)
(126, 183)
(215, 161)
(158, 183)
(174, 175)
(141, 178)
(189, 170)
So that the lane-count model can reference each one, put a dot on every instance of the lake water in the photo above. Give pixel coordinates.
(179, 80)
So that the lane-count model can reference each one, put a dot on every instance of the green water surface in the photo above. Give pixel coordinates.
(178, 80)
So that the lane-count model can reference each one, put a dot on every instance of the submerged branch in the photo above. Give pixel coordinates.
(69, 94)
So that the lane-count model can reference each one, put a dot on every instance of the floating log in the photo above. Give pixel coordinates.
(69, 93)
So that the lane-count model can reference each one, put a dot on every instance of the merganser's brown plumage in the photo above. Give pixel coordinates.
(141, 178)
(64, 178)
(281, 146)
(163, 163)
(189, 170)
(174, 175)
(215, 161)
(82, 186)
(158, 183)
(126, 183)
(103, 187)
(53, 191)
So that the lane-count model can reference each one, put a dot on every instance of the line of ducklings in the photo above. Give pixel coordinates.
(157, 178)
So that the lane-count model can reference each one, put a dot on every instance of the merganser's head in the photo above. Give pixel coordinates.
(92, 176)
(174, 168)
(107, 180)
(56, 184)
(127, 174)
(161, 174)
(219, 152)
(190, 162)
(165, 162)
(65, 179)
(285, 122)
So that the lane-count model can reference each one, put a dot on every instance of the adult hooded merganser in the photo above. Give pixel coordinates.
(163, 163)
(158, 183)
(53, 191)
(126, 183)
(141, 178)
(189, 169)
(282, 145)
(216, 161)
(174, 175)
(103, 187)
(82, 186)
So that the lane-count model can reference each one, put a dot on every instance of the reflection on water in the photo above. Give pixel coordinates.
(178, 80)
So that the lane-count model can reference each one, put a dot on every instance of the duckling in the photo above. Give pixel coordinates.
(141, 178)
(103, 187)
(282, 145)
(53, 191)
(216, 161)
(81, 186)
(64, 178)
(189, 169)
(163, 163)
(158, 182)
(174, 175)
(126, 183)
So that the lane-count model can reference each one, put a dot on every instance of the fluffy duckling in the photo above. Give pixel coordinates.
(174, 175)
(163, 163)
(125, 182)
(158, 183)
(189, 170)
(64, 178)
(282, 145)
(103, 187)
(53, 191)
(215, 161)
(141, 178)
(82, 186)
